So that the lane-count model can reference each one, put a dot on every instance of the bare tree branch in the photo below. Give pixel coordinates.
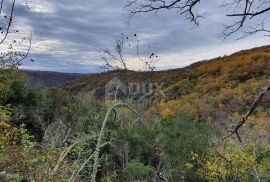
(243, 12)
(184, 7)
(10, 21)
(1, 7)
(15, 49)
(13, 57)
(245, 117)
(101, 134)
(117, 59)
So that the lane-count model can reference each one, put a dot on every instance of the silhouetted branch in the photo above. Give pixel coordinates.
(6, 30)
(184, 7)
(245, 117)
(1, 7)
(23, 56)
(13, 58)
(243, 12)
(14, 49)
(255, 29)
(117, 59)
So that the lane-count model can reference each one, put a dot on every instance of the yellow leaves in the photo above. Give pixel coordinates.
(114, 174)
(166, 109)
(4, 114)
(4, 125)
(159, 152)
(110, 103)
(221, 106)
(229, 84)
(126, 146)
(6, 134)
(167, 113)
(76, 166)
(10, 135)
(233, 161)
(227, 163)
(126, 112)
(194, 156)
(162, 104)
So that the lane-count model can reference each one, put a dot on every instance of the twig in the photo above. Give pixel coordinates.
(9, 21)
(245, 117)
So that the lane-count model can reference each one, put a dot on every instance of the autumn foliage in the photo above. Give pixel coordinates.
(50, 134)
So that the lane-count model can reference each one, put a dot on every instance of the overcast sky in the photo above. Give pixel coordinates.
(69, 34)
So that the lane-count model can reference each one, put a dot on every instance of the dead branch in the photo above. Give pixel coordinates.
(101, 134)
(14, 49)
(64, 154)
(62, 157)
(243, 11)
(13, 58)
(245, 117)
(1, 7)
(116, 59)
(6, 29)
(77, 173)
(183, 7)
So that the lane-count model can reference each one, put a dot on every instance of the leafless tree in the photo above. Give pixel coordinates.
(117, 58)
(244, 11)
(247, 15)
(6, 19)
(15, 49)
(183, 7)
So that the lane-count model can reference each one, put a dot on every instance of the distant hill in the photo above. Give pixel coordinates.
(207, 90)
(50, 79)
(95, 83)
(238, 67)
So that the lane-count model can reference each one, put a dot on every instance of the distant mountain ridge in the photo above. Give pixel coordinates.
(50, 78)
(76, 82)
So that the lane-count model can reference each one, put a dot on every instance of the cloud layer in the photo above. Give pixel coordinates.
(70, 34)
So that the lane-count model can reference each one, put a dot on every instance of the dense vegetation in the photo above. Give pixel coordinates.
(50, 79)
(55, 134)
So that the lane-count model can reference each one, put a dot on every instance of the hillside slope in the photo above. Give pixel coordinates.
(49, 78)
(239, 67)
(206, 89)
(221, 87)
(97, 82)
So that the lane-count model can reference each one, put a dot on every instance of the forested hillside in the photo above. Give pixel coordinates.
(49, 78)
(71, 133)
(204, 89)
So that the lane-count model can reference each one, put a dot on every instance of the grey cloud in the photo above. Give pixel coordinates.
(88, 25)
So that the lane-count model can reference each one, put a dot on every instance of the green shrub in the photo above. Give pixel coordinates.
(179, 138)
(138, 171)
